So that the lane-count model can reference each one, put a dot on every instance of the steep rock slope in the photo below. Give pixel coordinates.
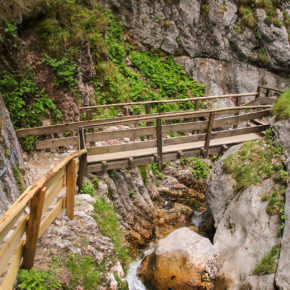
(210, 34)
(249, 214)
(11, 180)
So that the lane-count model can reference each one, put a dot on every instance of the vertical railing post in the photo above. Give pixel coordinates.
(238, 103)
(268, 93)
(83, 158)
(159, 142)
(258, 92)
(90, 117)
(208, 133)
(70, 188)
(196, 108)
(148, 111)
(36, 206)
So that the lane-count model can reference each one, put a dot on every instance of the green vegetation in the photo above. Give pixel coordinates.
(199, 168)
(268, 264)
(85, 271)
(27, 104)
(108, 222)
(144, 173)
(88, 188)
(155, 170)
(281, 109)
(255, 161)
(38, 280)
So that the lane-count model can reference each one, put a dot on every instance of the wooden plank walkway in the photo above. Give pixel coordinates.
(170, 148)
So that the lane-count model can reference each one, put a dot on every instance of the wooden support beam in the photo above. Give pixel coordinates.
(70, 188)
(148, 111)
(159, 142)
(208, 134)
(104, 165)
(83, 158)
(32, 231)
(180, 154)
(268, 93)
(258, 92)
(238, 103)
(131, 162)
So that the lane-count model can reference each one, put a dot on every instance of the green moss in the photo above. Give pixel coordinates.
(85, 271)
(144, 173)
(253, 163)
(268, 264)
(281, 109)
(248, 17)
(108, 222)
(199, 168)
(88, 188)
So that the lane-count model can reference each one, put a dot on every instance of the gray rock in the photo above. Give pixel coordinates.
(179, 28)
(220, 188)
(282, 132)
(245, 234)
(9, 190)
(283, 272)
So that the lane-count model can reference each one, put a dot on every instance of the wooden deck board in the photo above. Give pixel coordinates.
(171, 148)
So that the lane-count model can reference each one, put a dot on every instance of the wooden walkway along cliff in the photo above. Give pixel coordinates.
(62, 135)
(217, 130)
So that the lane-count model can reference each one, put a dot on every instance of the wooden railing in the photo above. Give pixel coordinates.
(154, 136)
(20, 230)
(51, 140)
(71, 129)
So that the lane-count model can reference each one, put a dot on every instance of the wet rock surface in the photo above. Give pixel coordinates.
(151, 209)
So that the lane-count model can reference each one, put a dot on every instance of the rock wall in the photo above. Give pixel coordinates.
(9, 185)
(244, 230)
(209, 46)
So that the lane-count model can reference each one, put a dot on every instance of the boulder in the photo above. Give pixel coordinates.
(183, 260)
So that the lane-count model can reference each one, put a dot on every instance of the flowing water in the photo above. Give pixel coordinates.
(134, 282)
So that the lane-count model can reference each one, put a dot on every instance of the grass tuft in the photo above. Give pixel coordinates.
(281, 109)
(268, 264)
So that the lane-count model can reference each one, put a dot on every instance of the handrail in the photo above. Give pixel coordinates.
(38, 196)
(169, 101)
(272, 89)
(187, 114)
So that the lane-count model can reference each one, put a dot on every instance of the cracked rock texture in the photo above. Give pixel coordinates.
(208, 46)
(9, 190)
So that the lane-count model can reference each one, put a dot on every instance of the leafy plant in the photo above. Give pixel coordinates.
(155, 170)
(199, 168)
(38, 280)
(95, 182)
(87, 188)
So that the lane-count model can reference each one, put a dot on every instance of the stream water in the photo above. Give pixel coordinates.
(134, 282)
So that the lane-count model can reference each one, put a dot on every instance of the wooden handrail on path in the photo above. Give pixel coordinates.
(18, 249)
(155, 147)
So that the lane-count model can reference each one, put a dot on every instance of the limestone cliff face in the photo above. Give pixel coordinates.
(208, 44)
(11, 180)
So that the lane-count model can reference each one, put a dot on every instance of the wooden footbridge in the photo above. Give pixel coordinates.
(191, 133)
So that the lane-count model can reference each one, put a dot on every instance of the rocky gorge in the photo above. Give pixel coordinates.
(210, 234)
